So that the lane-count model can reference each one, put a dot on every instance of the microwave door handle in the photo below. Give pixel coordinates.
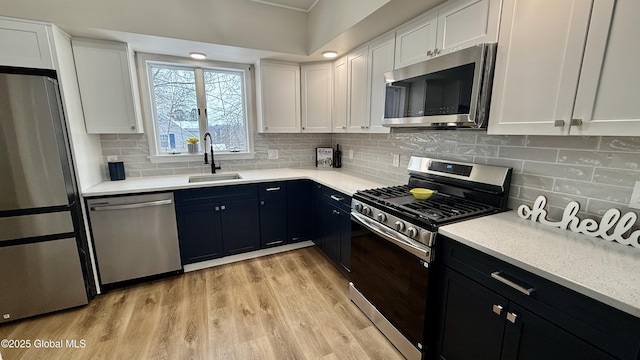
(422, 252)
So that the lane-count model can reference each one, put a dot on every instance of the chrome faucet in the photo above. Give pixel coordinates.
(206, 160)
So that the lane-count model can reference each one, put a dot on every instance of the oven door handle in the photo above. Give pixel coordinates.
(421, 251)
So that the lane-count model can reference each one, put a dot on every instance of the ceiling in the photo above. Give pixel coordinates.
(242, 31)
(298, 5)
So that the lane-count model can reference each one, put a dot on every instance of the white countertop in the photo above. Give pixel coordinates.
(340, 180)
(605, 271)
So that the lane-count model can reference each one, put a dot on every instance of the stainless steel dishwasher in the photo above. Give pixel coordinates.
(134, 236)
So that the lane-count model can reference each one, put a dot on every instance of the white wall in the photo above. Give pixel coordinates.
(330, 18)
(228, 22)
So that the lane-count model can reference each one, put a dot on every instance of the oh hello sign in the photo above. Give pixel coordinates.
(612, 226)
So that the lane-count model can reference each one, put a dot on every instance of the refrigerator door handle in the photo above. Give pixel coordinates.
(130, 206)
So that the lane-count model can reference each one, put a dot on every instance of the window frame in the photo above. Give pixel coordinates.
(144, 60)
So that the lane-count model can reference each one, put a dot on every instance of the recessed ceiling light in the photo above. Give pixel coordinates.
(198, 55)
(329, 54)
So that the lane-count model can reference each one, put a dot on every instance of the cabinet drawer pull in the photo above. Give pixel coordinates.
(497, 309)
(274, 188)
(512, 317)
(525, 290)
(337, 198)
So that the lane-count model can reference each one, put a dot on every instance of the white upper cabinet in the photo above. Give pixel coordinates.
(455, 25)
(607, 101)
(278, 97)
(360, 87)
(381, 57)
(317, 94)
(358, 94)
(25, 44)
(465, 23)
(340, 97)
(108, 86)
(416, 40)
(567, 71)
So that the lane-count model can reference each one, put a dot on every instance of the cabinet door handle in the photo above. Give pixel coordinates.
(273, 188)
(437, 51)
(337, 198)
(558, 123)
(217, 208)
(261, 202)
(525, 290)
(512, 317)
(429, 53)
(222, 207)
(576, 122)
(336, 212)
(497, 309)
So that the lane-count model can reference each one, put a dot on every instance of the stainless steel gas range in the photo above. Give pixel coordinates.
(393, 239)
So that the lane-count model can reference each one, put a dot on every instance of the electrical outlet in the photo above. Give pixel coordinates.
(273, 154)
(396, 160)
(350, 153)
(112, 158)
(635, 197)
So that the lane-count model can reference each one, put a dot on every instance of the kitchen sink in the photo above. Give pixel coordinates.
(214, 177)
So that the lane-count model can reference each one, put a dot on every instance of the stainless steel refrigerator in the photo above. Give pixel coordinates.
(43, 262)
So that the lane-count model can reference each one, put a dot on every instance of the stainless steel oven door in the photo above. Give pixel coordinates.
(391, 272)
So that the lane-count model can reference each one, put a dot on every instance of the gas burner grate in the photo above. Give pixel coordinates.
(384, 193)
(441, 208)
(437, 209)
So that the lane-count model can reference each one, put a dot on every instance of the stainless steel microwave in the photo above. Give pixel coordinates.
(450, 91)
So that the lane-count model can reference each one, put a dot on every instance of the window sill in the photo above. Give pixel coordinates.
(198, 157)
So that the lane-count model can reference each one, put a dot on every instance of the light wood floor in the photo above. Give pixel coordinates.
(291, 305)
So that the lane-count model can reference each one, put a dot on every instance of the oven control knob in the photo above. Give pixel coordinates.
(367, 211)
(382, 217)
(412, 232)
(358, 207)
(400, 226)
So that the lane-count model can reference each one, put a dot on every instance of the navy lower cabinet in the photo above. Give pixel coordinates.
(240, 226)
(299, 210)
(525, 317)
(200, 232)
(336, 228)
(273, 214)
(217, 221)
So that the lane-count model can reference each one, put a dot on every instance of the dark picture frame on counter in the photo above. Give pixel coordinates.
(324, 157)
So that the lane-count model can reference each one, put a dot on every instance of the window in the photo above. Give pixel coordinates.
(186, 100)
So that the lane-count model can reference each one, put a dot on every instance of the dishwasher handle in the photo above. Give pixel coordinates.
(131, 206)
